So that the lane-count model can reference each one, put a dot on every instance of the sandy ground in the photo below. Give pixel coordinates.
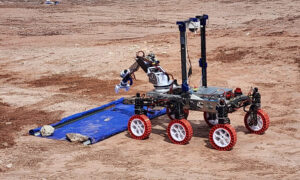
(59, 60)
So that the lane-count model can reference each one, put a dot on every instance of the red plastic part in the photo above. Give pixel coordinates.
(229, 95)
(185, 111)
(238, 90)
(206, 118)
(265, 118)
(232, 133)
(147, 123)
(187, 127)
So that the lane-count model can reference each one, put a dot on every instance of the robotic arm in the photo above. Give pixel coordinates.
(126, 81)
(150, 65)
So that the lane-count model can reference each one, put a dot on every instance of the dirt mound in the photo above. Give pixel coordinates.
(227, 55)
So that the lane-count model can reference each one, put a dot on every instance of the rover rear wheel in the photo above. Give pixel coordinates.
(180, 131)
(139, 127)
(222, 137)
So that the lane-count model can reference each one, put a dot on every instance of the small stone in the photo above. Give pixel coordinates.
(106, 119)
(47, 130)
(8, 123)
(5, 144)
(75, 137)
(9, 165)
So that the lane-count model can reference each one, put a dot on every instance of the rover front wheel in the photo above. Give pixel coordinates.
(180, 131)
(222, 137)
(139, 127)
(261, 125)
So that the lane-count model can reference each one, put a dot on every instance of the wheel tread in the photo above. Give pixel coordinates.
(188, 128)
(147, 123)
(232, 132)
(265, 119)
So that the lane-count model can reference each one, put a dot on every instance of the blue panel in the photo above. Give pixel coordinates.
(98, 123)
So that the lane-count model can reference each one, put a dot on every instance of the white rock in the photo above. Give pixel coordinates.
(9, 165)
(107, 119)
(75, 137)
(47, 130)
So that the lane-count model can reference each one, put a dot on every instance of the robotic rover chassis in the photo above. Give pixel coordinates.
(215, 102)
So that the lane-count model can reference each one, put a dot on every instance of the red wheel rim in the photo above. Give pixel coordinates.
(139, 127)
(263, 122)
(180, 131)
(222, 137)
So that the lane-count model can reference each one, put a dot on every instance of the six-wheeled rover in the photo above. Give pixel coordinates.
(215, 102)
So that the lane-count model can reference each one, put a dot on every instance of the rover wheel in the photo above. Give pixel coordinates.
(262, 125)
(171, 115)
(139, 126)
(222, 137)
(180, 131)
(210, 118)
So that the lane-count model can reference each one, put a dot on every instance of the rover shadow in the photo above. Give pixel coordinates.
(162, 122)
(207, 144)
(201, 130)
(241, 129)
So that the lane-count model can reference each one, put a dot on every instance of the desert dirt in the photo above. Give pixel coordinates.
(59, 60)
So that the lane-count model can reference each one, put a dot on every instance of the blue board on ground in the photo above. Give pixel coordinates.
(98, 123)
